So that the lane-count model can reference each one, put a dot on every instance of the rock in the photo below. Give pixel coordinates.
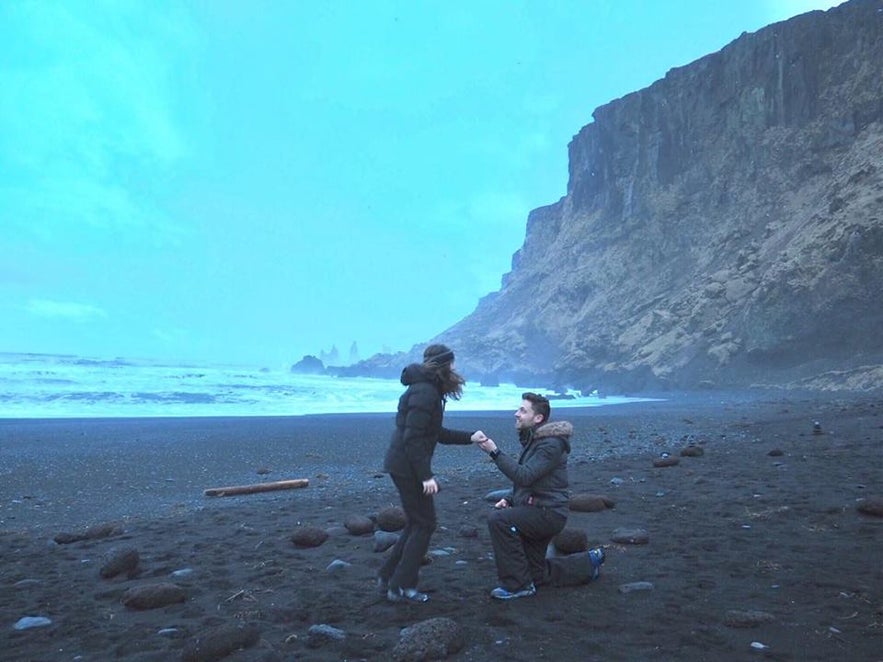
(776, 452)
(27, 583)
(28, 622)
(153, 596)
(590, 503)
(666, 461)
(359, 525)
(570, 541)
(710, 131)
(468, 532)
(319, 635)
(746, 619)
(632, 587)
(337, 565)
(633, 536)
(309, 365)
(692, 451)
(218, 642)
(391, 519)
(309, 536)
(118, 561)
(871, 506)
(383, 540)
(96, 532)
(496, 495)
(433, 639)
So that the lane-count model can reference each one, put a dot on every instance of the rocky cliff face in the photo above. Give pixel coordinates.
(723, 227)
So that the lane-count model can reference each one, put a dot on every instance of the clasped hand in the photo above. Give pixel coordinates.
(484, 442)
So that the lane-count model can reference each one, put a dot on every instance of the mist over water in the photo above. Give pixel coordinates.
(63, 386)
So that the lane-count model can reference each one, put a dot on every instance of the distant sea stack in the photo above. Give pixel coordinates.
(722, 228)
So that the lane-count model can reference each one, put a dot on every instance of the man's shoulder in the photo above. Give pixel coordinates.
(554, 429)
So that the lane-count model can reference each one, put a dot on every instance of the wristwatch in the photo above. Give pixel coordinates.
(494, 453)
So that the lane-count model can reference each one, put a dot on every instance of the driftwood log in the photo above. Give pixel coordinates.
(258, 487)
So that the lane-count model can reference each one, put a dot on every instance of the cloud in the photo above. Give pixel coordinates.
(78, 312)
(87, 114)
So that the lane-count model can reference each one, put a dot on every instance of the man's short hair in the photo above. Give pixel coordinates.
(540, 404)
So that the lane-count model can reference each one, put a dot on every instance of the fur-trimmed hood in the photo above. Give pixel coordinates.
(561, 429)
(554, 429)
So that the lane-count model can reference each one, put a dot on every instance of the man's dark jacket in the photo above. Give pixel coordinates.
(539, 476)
(419, 426)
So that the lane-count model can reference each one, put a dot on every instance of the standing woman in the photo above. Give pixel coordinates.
(409, 463)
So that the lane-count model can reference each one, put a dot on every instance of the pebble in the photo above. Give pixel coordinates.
(337, 565)
(747, 619)
(183, 572)
(433, 639)
(322, 634)
(625, 536)
(496, 495)
(383, 540)
(636, 586)
(220, 641)
(28, 622)
(153, 596)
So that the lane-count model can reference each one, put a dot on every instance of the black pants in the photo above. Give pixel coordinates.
(520, 536)
(403, 564)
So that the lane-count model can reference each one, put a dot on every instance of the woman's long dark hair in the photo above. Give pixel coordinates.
(450, 381)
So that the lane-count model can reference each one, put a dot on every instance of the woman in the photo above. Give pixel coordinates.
(409, 463)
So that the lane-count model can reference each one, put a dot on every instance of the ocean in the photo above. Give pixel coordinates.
(66, 386)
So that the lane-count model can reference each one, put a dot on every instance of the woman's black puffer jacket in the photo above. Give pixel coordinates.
(419, 426)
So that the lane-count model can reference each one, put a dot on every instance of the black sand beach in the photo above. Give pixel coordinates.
(757, 548)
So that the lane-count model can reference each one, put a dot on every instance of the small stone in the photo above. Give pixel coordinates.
(219, 642)
(468, 532)
(337, 565)
(590, 503)
(92, 533)
(27, 583)
(632, 587)
(309, 536)
(634, 536)
(496, 495)
(391, 518)
(321, 634)
(28, 622)
(692, 451)
(119, 561)
(359, 525)
(153, 596)
(383, 540)
(871, 506)
(666, 461)
(432, 639)
(571, 541)
(746, 619)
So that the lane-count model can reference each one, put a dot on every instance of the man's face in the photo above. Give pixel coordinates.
(525, 417)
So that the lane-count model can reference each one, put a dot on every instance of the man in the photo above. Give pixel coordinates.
(523, 524)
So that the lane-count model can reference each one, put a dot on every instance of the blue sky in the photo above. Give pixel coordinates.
(249, 182)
